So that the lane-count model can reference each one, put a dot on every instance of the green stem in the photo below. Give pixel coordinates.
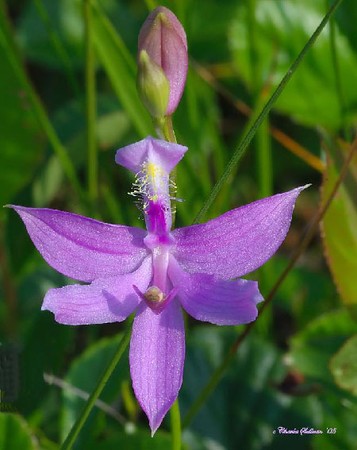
(150, 4)
(265, 168)
(168, 130)
(253, 48)
(260, 95)
(90, 105)
(239, 152)
(73, 434)
(265, 177)
(175, 426)
(36, 105)
(309, 235)
(337, 73)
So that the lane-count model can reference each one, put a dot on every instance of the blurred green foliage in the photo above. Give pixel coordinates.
(296, 368)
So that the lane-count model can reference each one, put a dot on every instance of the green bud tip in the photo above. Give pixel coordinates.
(153, 86)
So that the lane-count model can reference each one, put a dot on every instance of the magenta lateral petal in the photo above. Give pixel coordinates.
(207, 298)
(159, 152)
(157, 354)
(238, 241)
(103, 301)
(83, 248)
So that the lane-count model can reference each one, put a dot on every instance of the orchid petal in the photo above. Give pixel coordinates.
(238, 241)
(83, 248)
(106, 300)
(161, 153)
(157, 353)
(207, 298)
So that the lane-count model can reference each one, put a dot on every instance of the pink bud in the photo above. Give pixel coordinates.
(164, 39)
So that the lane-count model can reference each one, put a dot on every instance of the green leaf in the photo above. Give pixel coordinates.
(246, 406)
(64, 26)
(339, 226)
(112, 127)
(47, 182)
(343, 365)
(250, 402)
(21, 148)
(52, 34)
(45, 343)
(311, 95)
(120, 68)
(312, 348)
(41, 343)
(207, 31)
(346, 18)
(15, 433)
(311, 352)
(84, 374)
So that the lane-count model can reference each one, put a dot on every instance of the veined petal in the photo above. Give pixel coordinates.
(106, 300)
(239, 241)
(157, 354)
(83, 248)
(159, 153)
(207, 298)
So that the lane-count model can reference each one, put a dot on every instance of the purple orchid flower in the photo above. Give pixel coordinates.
(158, 271)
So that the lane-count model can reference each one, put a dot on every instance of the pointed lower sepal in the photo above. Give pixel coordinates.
(157, 354)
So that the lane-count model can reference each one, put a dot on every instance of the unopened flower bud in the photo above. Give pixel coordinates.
(163, 38)
(153, 86)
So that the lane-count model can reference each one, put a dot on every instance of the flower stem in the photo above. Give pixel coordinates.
(175, 425)
(265, 166)
(241, 149)
(260, 88)
(306, 239)
(168, 130)
(90, 104)
(73, 434)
